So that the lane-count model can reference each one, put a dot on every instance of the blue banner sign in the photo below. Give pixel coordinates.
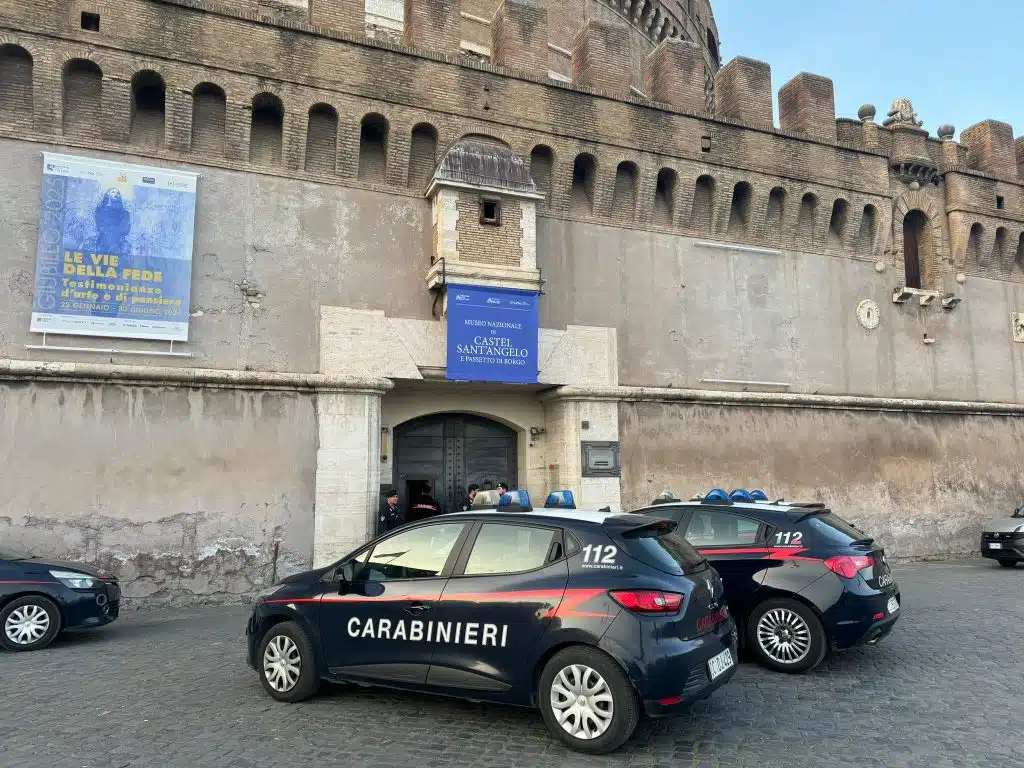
(114, 256)
(492, 335)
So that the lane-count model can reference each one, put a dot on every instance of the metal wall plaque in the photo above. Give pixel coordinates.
(600, 458)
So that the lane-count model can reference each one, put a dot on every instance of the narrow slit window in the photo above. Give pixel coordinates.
(90, 21)
(1000, 202)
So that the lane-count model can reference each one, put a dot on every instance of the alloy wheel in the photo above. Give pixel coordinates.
(784, 636)
(282, 663)
(27, 624)
(582, 702)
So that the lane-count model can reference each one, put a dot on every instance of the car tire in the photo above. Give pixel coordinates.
(611, 704)
(786, 636)
(29, 623)
(286, 663)
(1008, 563)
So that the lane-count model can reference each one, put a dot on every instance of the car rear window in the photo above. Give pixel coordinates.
(833, 528)
(659, 546)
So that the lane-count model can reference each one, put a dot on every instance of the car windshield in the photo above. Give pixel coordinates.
(6, 553)
(834, 528)
(659, 546)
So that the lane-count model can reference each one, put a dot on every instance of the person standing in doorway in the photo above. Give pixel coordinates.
(390, 515)
(467, 503)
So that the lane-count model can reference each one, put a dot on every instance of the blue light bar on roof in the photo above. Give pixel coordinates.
(758, 495)
(515, 499)
(716, 494)
(560, 500)
(739, 494)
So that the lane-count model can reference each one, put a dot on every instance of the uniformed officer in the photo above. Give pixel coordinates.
(390, 515)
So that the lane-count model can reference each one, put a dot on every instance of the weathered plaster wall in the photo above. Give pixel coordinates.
(186, 494)
(685, 312)
(921, 483)
(268, 253)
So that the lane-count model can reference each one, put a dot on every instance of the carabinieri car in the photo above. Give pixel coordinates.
(800, 581)
(590, 616)
(41, 597)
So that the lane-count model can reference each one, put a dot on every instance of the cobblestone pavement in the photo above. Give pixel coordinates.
(171, 688)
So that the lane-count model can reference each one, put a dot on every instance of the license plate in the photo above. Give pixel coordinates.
(893, 606)
(994, 545)
(720, 663)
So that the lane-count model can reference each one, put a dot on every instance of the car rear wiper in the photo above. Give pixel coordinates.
(862, 542)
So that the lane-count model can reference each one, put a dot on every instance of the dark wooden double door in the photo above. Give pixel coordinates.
(444, 453)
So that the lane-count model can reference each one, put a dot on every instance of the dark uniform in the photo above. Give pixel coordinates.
(389, 517)
(425, 506)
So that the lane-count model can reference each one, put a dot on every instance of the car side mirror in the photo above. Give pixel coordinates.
(346, 574)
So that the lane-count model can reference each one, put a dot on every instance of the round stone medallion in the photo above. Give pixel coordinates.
(867, 314)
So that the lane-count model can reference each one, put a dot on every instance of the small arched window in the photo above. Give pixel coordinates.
(866, 235)
(581, 195)
(267, 130)
(322, 139)
(776, 211)
(82, 82)
(806, 222)
(373, 148)
(624, 194)
(149, 110)
(665, 197)
(999, 250)
(739, 211)
(837, 223)
(15, 83)
(422, 156)
(974, 243)
(703, 204)
(542, 159)
(209, 118)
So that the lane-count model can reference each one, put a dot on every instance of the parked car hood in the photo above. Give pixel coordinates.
(1005, 525)
(49, 562)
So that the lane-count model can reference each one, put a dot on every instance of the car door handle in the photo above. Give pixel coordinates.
(418, 608)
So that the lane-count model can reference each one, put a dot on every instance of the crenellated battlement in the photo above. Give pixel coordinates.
(295, 87)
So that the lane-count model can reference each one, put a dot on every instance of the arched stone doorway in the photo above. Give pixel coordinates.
(445, 452)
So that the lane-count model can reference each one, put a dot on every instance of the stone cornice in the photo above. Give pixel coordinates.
(102, 373)
(782, 400)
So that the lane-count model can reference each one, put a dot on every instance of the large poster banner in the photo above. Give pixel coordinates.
(115, 250)
(492, 335)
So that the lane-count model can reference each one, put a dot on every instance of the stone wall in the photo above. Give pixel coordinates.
(187, 494)
(921, 483)
(698, 314)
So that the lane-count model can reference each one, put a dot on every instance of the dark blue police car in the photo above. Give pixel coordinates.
(592, 617)
(41, 597)
(800, 581)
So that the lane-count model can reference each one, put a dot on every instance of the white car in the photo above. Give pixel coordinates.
(1003, 539)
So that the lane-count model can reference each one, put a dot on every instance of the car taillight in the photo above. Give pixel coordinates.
(647, 600)
(847, 566)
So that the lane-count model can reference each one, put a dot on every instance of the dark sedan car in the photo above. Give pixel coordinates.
(800, 581)
(41, 597)
(590, 617)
